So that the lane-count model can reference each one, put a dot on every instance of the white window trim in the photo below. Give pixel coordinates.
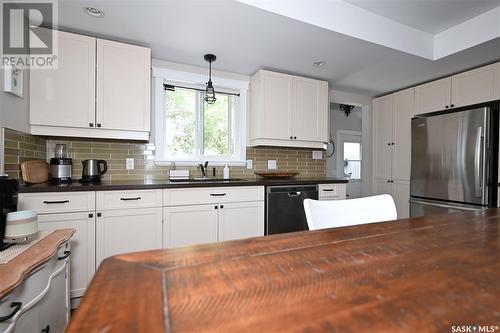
(162, 75)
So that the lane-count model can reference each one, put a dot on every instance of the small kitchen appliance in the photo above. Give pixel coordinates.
(21, 226)
(93, 170)
(8, 203)
(61, 164)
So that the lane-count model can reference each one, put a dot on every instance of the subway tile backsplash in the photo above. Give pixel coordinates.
(21, 146)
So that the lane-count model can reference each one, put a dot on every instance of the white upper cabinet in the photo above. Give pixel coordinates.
(310, 109)
(401, 148)
(123, 86)
(287, 110)
(101, 89)
(66, 96)
(382, 136)
(433, 96)
(476, 86)
(276, 90)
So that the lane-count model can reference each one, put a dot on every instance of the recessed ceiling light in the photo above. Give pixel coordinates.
(93, 11)
(318, 64)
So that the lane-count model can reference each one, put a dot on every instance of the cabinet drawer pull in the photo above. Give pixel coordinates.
(328, 190)
(16, 306)
(64, 256)
(130, 199)
(56, 202)
(217, 194)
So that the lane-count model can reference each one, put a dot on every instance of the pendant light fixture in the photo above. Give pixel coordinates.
(209, 91)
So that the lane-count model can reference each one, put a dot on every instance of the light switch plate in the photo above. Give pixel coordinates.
(129, 163)
(249, 164)
(317, 155)
(271, 164)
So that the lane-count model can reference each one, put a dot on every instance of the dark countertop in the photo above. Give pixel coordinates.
(160, 184)
(412, 275)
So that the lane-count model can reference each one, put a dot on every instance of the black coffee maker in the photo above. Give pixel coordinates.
(9, 189)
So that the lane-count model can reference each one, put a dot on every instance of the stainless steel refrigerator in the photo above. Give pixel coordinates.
(454, 160)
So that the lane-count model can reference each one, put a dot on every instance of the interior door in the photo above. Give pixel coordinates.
(447, 154)
(349, 161)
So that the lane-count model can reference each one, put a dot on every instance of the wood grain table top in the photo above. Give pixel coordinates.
(16, 270)
(415, 275)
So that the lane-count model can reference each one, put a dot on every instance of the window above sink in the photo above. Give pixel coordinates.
(189, 131)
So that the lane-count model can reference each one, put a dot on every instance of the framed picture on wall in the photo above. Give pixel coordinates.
(13, 81)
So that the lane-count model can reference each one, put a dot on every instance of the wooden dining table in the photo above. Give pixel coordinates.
(438, 273)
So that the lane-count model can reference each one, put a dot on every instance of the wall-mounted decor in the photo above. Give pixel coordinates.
(13, 81)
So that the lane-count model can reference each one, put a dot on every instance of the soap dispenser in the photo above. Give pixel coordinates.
(226, 172)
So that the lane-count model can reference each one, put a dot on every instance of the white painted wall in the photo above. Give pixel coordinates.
(14, 111)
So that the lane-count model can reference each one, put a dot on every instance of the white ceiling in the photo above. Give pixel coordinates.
(247, 38)
(432, 16)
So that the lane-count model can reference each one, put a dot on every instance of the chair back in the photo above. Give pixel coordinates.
(339, 213)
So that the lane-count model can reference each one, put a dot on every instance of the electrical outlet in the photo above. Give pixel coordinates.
(317, 155)
(129, 163)
(249, 164)
(271, 164)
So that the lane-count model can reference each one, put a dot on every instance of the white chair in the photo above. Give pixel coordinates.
(339, 213)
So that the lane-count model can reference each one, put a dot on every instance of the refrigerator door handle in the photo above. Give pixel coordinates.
(443, 205)
(478, 168)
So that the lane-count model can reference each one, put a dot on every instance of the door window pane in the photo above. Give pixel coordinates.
(352, 160)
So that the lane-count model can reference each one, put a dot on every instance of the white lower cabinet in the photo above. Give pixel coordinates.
(127, 230)
(189, 225)
(400, 192)
(43, 298)
(82, 245)
(241, 220)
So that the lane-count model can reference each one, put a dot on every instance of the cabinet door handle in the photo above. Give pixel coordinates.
(16, 306)
(99, 214)
(130, 199)
(91, 215)
(221, 206)
(215, 207)
(446, 107)
(56, 202)
(91, 125)
(46, 329)
(217, 194)
(64, 256)
(98, 125)
(295, 138)
(291, 137)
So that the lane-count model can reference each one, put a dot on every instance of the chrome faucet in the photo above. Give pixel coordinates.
(203, 168)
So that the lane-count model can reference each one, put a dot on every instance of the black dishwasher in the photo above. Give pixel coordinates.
(285, 207)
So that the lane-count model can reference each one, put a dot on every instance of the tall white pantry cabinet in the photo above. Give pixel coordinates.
(392, 147)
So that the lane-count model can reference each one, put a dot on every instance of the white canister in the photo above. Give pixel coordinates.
(21, 226)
